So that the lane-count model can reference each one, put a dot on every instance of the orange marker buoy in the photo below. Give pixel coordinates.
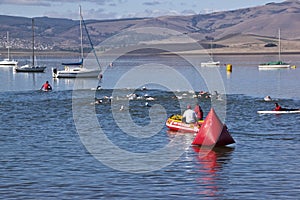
(213, 132)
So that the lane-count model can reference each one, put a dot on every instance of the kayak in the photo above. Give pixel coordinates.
(291, 111)
(174, 123)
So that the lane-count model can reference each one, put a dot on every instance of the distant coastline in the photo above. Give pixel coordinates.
(220, 52)
(243, 31)
(27, 53)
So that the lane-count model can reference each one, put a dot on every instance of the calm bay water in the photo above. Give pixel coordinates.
(44, 157)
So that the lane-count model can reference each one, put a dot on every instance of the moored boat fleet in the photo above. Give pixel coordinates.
(79, 70)
(71, 70)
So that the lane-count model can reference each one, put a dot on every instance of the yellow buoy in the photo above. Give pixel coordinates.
(293, 67)
(229, 67)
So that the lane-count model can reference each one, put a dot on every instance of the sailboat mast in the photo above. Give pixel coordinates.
(7, 45)
(211, 49)
(88, 35)
(279, 45)
(80, 23)
(33, 42)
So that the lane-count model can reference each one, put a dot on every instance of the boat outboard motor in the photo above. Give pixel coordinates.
(54, 72)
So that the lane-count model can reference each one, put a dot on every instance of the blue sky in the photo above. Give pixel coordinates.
(112, 9)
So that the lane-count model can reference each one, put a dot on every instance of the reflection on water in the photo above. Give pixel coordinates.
(42, 155)
(211, 179)
(211, 163)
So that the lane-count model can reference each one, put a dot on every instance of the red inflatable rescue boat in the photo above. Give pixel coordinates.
(213, 132)
(174, 123)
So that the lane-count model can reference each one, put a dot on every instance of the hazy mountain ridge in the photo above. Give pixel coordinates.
(248, 26)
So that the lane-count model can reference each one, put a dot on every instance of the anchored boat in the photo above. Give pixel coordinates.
(77, 70)
(276, 64)
(7, 61)
(32, 67)
(211, 63)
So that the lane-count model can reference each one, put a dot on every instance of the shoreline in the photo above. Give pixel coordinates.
(217, 52)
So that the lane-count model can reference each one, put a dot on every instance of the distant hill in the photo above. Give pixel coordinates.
(248, 27)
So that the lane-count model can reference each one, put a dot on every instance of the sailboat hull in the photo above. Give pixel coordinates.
(277, 64)
(31, 67)
(77, 69)
(210, 64)
(8, 63)
(27, 68)
(76, 73)
(270, 66)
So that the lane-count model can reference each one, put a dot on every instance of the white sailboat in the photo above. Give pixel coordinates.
(7, 61)
(210, 63)
(32, 67)
(77, 69)
(277, 64)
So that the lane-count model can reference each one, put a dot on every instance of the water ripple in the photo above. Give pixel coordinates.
(43, 157)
